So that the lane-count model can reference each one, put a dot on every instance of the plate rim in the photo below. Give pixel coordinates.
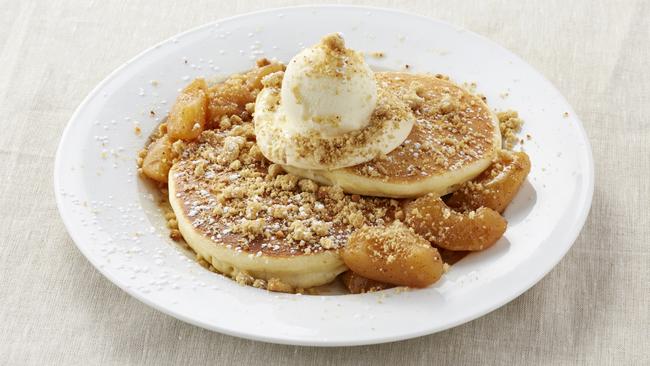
(587, 190)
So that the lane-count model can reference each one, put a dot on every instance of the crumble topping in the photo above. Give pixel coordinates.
(452, 129)
(254, 206)
(387, 116)
(338, 61)
(509, 124)
(393, 241)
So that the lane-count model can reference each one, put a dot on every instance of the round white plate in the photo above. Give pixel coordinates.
(113, 219)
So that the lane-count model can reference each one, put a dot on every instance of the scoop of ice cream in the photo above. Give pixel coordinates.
(326, 111)
(328, 88)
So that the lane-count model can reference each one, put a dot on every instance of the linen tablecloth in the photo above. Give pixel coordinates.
(593, 308)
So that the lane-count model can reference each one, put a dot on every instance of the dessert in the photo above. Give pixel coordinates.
(287, 178)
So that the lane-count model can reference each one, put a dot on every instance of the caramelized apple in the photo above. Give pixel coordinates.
(255, 77)
(229, 99)
(188, 115)
(357, 284)
(476, 230)
(393, 254)
(158, 160)
(496, 186)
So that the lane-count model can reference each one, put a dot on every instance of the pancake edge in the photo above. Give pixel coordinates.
(300, 271)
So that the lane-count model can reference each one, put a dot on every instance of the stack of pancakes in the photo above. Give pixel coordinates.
(264, 224)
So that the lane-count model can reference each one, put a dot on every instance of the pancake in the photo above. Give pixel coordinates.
(455, 137)
(255, 223)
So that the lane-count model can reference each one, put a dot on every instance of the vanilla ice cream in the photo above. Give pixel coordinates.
(328, 112)
(329, 89)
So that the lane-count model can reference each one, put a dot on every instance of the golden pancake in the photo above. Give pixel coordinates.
(454, 139)
(250, 220)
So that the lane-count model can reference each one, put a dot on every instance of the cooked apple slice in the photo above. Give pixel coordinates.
(496, 186)
(393, 254)
(158, 160)
(475, 230)
(188, 115)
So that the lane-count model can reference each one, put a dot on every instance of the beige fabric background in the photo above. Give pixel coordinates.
(593, 308)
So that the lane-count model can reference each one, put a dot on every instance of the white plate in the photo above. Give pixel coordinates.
(112, 218)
